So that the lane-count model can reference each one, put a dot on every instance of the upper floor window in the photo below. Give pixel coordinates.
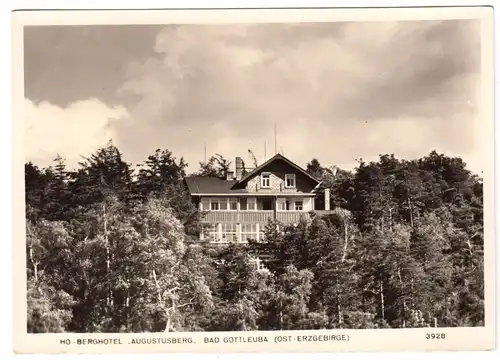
(281, 204)
(299, 205)
(251, 204)
(290, 180)
(233, 204)
(265, 180)
(214, 205)
(205, 204)
(222, 204)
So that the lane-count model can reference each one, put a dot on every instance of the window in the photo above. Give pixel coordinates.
(251, 204)
(290, 180)
(281, 204)
(248, 232)
(229, 233)
(205, 204)
(210, 232)
(299, 205)
(262, 228)
(265, 180)
(267, 204)
(233, 204)
(223, 204)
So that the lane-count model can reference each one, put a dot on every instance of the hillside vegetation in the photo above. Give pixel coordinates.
(113, 247)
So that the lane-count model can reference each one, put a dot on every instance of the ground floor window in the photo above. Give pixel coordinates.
(262, 229)
(248, 232)
(210, 232)
(229, 233)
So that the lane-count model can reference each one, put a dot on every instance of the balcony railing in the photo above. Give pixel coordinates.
(252, 217)
(291, 217)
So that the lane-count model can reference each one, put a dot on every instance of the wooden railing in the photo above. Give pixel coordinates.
(291, 217)
(252, 217)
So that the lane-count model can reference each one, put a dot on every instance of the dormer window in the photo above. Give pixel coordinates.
(265, 180)
(290, 180)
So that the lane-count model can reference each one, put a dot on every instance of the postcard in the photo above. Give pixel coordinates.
(279, 180)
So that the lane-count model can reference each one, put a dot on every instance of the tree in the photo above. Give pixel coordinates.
(35, 183)
(162, 176)
(238, 283)
(49, 303)
(217, 166)
(154, 274)
(48, 308)
(292, 297)
(110, 248)
(160, 171)
(101, 175)
(333, 242)
(315, 169)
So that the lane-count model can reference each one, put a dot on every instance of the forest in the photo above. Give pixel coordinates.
(114, 247)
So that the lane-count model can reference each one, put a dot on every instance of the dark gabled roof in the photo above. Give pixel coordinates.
(211, 185)
(274, 158)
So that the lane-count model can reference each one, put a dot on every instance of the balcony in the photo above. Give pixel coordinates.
(252, 217)
(228, 217)
(291, 217)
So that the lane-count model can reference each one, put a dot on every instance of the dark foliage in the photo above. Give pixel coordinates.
(112, 248)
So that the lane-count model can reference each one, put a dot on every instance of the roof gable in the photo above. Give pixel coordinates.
(276, 157)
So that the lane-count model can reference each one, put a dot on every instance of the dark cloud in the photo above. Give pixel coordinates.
(424, 69)
(64, 64)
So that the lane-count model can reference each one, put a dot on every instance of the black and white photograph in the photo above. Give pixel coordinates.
(242, 178)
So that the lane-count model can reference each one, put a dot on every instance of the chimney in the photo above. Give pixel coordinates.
(239, 167)
(230, 175)
(327, 199)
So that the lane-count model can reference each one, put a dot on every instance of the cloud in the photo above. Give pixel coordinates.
(337, 91)
(72, 132)
(65, 64)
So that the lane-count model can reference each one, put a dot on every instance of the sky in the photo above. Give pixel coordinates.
(335, 91)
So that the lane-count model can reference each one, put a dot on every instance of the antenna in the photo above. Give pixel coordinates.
(275, 136)
(265, 151)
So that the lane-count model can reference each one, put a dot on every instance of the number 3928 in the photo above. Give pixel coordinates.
(435, 336)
